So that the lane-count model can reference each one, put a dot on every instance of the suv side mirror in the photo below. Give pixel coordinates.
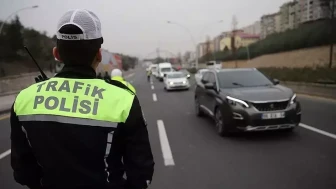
(209, 86)
(276, 81)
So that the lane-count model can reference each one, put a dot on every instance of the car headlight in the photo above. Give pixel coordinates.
(188, 75)
(184, 82)
(234, 101)
(293, 99)
(171, 83)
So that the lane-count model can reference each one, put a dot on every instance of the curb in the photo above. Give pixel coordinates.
(9, 93)
(5, 111)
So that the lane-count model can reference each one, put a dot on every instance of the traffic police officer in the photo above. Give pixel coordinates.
(76, 131)
(116, 75)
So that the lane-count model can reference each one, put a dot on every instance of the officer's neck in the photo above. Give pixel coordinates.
(82, 71)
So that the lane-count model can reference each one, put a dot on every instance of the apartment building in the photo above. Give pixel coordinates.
(217, 40)
(242, 39)
(254, 28)
(270, 24)
(289, 15)
(311, 10)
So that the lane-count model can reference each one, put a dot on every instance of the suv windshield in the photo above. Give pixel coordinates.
(165, 69)
(242, 78)
(175, 75)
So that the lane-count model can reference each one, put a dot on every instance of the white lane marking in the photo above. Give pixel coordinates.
(165, 147)
(154, 97)
(5, 154)
(152, 87)
(317, 130)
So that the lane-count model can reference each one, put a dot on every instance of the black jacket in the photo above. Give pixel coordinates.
(53, 155)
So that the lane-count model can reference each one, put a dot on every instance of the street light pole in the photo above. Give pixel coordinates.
(3, 23)
(192, 39)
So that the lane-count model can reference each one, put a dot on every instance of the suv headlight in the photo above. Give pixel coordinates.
(293, 99)
(184, 82)
(170, 83)
(234, 101)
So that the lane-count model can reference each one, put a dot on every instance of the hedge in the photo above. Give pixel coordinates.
(312, 34)
(307, 75)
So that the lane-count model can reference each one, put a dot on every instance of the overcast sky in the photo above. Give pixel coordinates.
(138, 27)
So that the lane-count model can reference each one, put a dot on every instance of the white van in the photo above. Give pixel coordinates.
(213, 65)
(163, 68)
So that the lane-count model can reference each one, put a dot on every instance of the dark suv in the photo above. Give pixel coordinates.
(246, 100)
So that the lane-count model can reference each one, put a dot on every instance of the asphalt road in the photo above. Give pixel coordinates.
(189, 154)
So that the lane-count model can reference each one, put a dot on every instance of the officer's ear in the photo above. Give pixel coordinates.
(56, 54)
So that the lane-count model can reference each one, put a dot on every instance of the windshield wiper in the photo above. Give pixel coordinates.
(238, 84)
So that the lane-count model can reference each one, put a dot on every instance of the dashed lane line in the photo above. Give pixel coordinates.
(154, 97)
(165, 147)
(152, 87)
(317, 130)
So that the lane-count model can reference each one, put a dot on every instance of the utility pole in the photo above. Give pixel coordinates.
(332, 30)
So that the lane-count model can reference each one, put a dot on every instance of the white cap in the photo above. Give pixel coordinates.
(85, 20)
(116, 72)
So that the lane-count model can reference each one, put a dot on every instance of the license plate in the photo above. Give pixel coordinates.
(273, 115)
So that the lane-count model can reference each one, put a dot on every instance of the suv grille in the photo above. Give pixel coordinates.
(271, 106)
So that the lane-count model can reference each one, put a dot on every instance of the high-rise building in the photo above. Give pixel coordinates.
(310, 10)
(270, 24)
(289, 15)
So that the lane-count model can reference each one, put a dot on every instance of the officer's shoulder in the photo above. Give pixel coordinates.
(26, 91)
(117, 85)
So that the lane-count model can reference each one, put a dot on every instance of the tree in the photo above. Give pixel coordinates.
(208, 53)
(14, 39)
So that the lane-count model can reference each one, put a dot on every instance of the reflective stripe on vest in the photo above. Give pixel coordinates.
(68, 120)
(78, 101)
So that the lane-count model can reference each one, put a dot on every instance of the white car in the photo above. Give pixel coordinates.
(175, 80)
(199, 75)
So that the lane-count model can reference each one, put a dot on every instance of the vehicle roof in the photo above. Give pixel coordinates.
(164, 63)
(232, 69)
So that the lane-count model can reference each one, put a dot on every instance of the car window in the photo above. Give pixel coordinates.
(242, 78)
(176, 75)
(165, 69)
(212, 78)
(206, 76)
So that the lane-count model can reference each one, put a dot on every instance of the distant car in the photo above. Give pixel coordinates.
(186, 72)
(199, 74)
(213, 65)
(246, 100)
(175, 80)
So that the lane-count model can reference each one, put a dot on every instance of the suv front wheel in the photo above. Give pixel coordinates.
(222, 129)
(198, 110)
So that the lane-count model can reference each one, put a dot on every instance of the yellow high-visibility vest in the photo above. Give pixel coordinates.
(127, 84)
(77, 101)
